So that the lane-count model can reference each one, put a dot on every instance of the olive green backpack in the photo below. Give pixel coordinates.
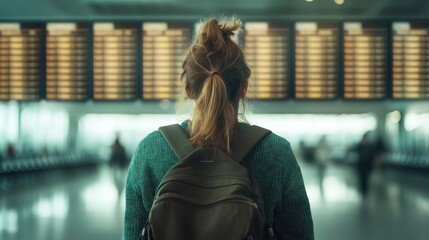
(208, 195)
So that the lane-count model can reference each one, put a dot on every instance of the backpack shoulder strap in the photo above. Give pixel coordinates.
(247, 140)
(177, 140)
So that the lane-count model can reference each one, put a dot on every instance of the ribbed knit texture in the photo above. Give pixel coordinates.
(271, 163)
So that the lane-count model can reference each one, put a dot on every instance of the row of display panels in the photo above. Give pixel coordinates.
(127, 61)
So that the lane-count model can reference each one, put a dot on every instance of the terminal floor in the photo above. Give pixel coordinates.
(88, 203)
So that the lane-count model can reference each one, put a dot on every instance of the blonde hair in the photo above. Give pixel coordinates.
(213, 72)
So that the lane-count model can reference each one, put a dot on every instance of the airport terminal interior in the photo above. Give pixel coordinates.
(80, 78)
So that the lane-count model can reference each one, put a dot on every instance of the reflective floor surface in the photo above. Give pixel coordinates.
(88, 203)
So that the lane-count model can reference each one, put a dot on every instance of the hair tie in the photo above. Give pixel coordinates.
(213, 73)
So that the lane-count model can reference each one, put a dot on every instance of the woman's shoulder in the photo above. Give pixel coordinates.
(150, 140)
(152, 152)
(276, 152)
(277, 140)
(277, 146)
(273, 156)
(150, 147)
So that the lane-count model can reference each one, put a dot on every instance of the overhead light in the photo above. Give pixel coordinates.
(395, 116)
(339, 2)
(309, 0)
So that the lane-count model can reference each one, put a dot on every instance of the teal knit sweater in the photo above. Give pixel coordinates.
(271, 163)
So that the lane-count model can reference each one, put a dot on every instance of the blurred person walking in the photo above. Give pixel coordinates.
(10, 151)
(369, 156)
(322, 155)
(119, 162)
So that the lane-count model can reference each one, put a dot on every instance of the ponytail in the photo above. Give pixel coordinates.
(214, 117)
(213, 72)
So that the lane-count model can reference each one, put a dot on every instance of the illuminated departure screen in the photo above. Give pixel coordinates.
(20, 61)
(66, 61)
(364, 61)
(115, 59)
(410, 61)
(164, 46)
(316, 61)
(266, 51)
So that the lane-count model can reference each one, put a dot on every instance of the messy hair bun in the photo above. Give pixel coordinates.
(214, 34)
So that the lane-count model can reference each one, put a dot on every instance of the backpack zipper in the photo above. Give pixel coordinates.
(180, 179)
(187, 201)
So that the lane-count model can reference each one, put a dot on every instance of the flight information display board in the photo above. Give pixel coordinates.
(20, 56)
(316, 60)
(115, 60)
(410, 60)
(164, 46)
(365, 61)
(266, 51)
(66, 61)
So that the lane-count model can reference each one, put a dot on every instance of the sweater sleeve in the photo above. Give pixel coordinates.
(135, 212)
(292, 214)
